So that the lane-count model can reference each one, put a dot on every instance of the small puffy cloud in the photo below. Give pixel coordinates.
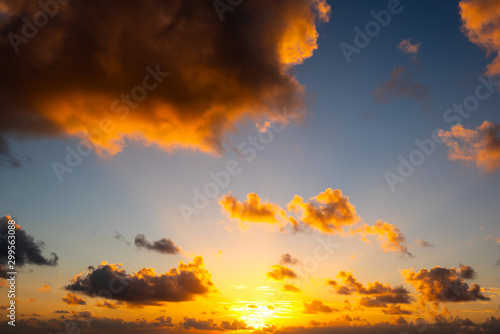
(378, 294)
(423, 243)
(390, 237)
(163, 246)
(290, 288)
(281, 273)
(252, 210)
(317, 306)
(407, 46)
(400, 85)
(480, 146)
(28, 250)
(72, 299)
(287, 259)
(481, 24)
(328, 212)
(45, 288)
(145, 287)
(444, 284)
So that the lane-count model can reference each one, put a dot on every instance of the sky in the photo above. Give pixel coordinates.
(247, 166)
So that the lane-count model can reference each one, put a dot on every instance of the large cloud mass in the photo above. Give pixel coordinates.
(481, 24)
(145, 287)
(78, 75)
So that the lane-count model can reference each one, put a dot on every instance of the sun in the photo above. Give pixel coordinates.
(257, 316)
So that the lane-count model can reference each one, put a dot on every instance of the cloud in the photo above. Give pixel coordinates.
(444, 284)
(252, 210)
(288, 259)
(423, 243)
(380, 295)
(396, 310)
(61, 312)
(163, 246)
(28, 250)
(328, 212)
(72, 299)
(290, 288)
(481, 24)
(105, 304)
(235, 325)
(480, 146)
(209, 324)
(45, 288)
(408, 47)
(390, 237)
(219, 72)
(281, 273)
(400, 85)
(317, 306)
(145, 287)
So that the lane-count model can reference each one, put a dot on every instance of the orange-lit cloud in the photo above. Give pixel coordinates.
(317, 306)
(408, 47)
(378, 294)
(390, 237)
(252, 210)
(145, 287)
(219, 73)
(444, 284)
(481, 24)
(328, 212)
(281, 273)
(45, 288)
(106, 304)
(480, 146)
(72, 299)
(290, 288)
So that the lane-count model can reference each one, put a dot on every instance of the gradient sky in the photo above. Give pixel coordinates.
(342, 135)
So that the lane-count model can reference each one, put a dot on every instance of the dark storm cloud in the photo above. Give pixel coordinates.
(76, 70)
(28, 250)
(164, 246)
(145, 287)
